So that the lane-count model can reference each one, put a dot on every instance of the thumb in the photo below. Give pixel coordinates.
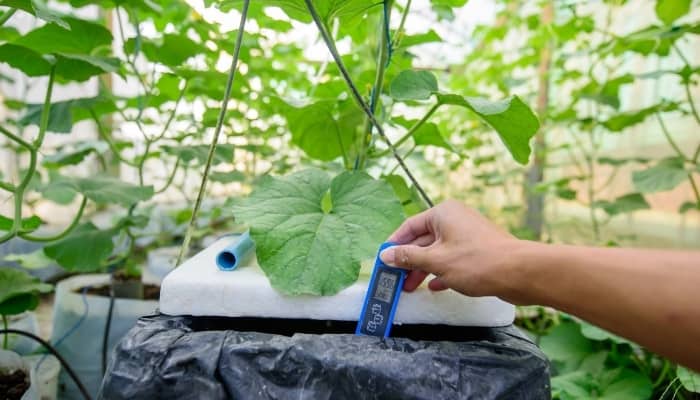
(408, 256)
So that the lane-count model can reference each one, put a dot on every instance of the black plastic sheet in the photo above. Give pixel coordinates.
(166, 357)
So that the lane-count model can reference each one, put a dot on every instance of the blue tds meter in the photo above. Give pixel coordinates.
(381, 299)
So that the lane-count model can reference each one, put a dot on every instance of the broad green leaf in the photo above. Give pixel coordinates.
(19, 291)
(34, 260)
(421, 38)
(413, 85)
(27, 225)
(623, 204)
(688, 206)
(689, 379)
(670, 10)
(39, 9)
(594, 333)
(573, 385)
(19, 304)
(24, 59)
(104, 189)
(227, 177)
(429, 134)
(512, 119)
(665, 175)
(82, 38)
(74, 155)
(566, 343)
(304, 250)
(607, 93)
(63, 114)
(171, 50)
(327, 10)
(622, 121)
(628, 385)
(83, 250)
(316, 131)
(223, 153)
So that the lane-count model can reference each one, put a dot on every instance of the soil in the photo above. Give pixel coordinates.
(150, 292)
(13, 386)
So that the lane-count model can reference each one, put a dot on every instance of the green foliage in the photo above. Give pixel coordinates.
(306, 248)
(665, 175)
(84, 250)
(19, 291)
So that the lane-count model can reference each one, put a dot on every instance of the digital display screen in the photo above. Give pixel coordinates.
(385, 287)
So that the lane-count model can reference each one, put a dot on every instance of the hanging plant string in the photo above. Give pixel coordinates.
(217, 131)
(361, 102)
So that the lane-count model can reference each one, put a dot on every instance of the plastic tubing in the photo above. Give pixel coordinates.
(236, 253)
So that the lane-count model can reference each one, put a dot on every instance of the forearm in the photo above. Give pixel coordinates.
(651, 297)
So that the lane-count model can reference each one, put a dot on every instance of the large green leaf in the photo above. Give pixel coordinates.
(566, 343)
(103, 189)
(689, 379)
(628, 385)
(512, 119)
(19, 291)
(315, 130)
(83, 250)
(413, 85)
(327, 9)
(665, 175)
(27, 225)
(171, 49)
(24, 59)
(82, 38)
(307, 245)
(39, 9)
(623, 204)
(223, 153)
(670, 10)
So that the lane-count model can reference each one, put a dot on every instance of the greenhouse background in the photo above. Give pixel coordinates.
(120, 181)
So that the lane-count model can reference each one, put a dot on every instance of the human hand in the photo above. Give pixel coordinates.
(465, 251)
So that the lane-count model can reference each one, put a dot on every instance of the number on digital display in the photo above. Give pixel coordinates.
(385, 287)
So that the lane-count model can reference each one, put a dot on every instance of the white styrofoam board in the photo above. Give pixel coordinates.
(199, 288)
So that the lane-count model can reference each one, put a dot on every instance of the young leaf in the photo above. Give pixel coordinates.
(316, 131)
(670, 10)
(566, 343)
(512, 119)
(83, 250)
(665, 175)
(623, 204)
(19, 291)
(429, 134)
(413, 85)
(304, 250)
(689, 379)
(104, 189)
(27, 225)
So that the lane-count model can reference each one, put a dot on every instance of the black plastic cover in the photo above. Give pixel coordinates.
(165, 357)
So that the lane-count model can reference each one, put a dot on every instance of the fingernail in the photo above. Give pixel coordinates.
(388, 256)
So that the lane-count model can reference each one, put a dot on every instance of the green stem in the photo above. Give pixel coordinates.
(399, 31)
(669, 139)
(7, 15)
(360, 100)
(217, 131)
(382, 58)
(663, 373)
(170, 178)
(413, 129)
(65, 232)
(105, 136)
(686, 83)
(33, 150)
(680, 153)
(8, 187)
(16, 138)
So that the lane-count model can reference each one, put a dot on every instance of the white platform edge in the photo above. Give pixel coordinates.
(199, 288)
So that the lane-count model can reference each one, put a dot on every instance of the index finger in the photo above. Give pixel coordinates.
(412, 228)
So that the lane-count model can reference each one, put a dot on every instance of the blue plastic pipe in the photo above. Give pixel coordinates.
(236, 253)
